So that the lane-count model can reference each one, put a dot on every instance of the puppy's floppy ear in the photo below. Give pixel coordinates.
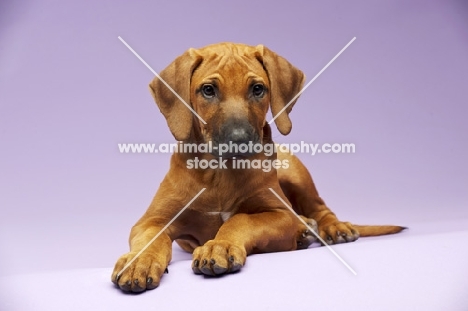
(178, 75)
(285, 82)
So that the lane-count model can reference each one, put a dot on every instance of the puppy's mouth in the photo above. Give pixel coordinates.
(233, 149)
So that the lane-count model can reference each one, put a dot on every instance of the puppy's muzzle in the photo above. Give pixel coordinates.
(235, 138)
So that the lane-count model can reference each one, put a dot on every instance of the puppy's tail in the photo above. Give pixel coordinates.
(377, 230)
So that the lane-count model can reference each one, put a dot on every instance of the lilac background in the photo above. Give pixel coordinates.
(70, 91)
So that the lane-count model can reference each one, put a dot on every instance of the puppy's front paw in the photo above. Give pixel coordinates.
(218, 257)
(338, 232)
(144, 272)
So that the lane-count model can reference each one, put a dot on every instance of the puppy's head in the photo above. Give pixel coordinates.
(230, 86)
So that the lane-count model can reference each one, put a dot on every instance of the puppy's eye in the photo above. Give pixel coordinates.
(208, 91)
(258, 90)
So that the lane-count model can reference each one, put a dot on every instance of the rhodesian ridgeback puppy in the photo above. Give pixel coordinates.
(231, 87)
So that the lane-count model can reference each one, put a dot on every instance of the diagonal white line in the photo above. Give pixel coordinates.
(318, 236)
(165, 83)
(308, 84)
(159, 233)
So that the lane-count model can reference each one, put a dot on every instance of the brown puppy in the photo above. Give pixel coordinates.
(231, 86)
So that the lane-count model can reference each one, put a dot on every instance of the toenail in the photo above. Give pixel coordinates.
(166, 270)
(299, 243)
(128, 283)
(196, 263)
(329, 238)
(149, 280)
(204, 262)
(136, 282)
(231, 258)
(212, 261)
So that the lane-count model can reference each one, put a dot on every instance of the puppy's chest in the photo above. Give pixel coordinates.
(224, 216)
(222, 207)
(227, 195)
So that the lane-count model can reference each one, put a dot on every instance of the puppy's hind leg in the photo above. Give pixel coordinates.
(306, 234)
(299, 188)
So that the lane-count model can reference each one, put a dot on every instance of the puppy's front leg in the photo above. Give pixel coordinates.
(244, 234)
(144, 272)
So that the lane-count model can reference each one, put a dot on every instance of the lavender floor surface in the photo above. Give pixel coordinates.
(416, 269)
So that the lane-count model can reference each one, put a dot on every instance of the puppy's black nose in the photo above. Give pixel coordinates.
(237, 131)
(239, 135)
(233, 138)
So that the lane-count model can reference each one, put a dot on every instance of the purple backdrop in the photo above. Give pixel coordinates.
(70, 91)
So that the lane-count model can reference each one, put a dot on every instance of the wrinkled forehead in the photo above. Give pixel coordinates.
(229, 62)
